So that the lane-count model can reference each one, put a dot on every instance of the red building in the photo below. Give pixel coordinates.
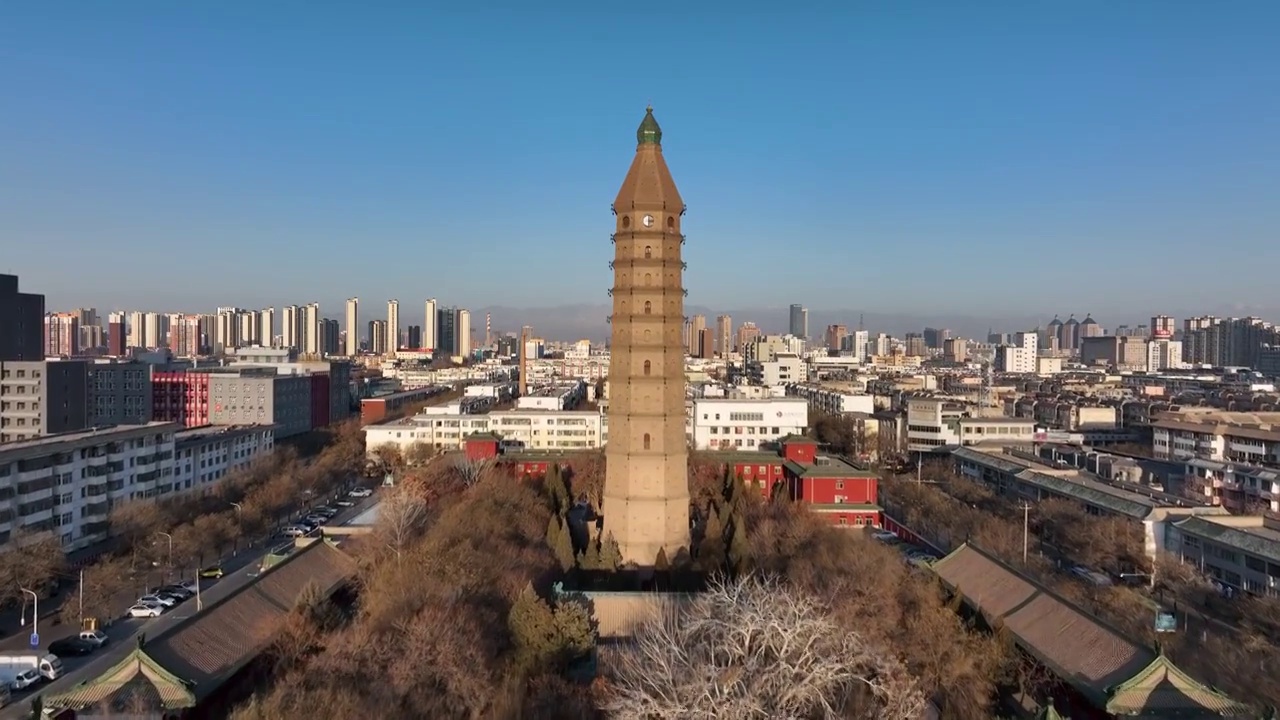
(115, 337)
(180, 396)
(843, 493)
(319, 400)
(377, 409)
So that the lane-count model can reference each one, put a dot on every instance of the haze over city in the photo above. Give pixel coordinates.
(1001, 164)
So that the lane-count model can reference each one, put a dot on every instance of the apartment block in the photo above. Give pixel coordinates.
(260, 396)
(1241, 489)
(1241, 553)
(119, 393)
(41, 398)
(203, 456)
(68, 483)
(1237, 437)
(528, 429)
(832, 402)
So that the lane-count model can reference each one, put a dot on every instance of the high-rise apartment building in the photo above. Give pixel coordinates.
(693, 333)
(747, 333)
(858, 344)
(935, 337)
(378, 337)
(292, 327)
(956, 350)
(429, 323)
(446, 331)
(352, 323)
(706, 347)
(42, 397)
(724, 335)
(835, 337)
(393, 325)
(1162, 326)
(61, 335)
(463, 346)
(267, 327)
(646, 488)
(21, 322)
(184, 335)
(116, 334)
(799, 325)
(311, 321)
(329, 331)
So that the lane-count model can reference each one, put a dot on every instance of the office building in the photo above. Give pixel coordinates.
(21, 322)
(378, 337)
(463, 345)
(724, 335)
(799, 325)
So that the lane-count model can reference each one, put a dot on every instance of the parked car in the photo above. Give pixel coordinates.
(177, 598)
(145, 610)
(96, 637)
(192, 586)
(213, 573)
(25, 679)
(326, 511)
(294, 531)
(155, 599)
(71, 647)
(177, 591)
(316, 520)
(344, 503)
(884, 535)
(361, 492)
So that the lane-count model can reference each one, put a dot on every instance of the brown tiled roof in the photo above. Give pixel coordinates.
(1089, 655)
(208, 648)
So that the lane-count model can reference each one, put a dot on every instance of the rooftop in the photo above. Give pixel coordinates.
(36, 447)
(1113, 671)
(209, 432)
(1248, 534)
(827, 466)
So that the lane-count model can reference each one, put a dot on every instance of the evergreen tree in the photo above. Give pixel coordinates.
(591, 557)
(610, 553)
(553, 531)
(563, 548)
(556, 488)
(711, 551)
(661, 564)
(739, 550)
(533, 630)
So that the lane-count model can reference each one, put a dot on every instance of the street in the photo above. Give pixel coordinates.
(240, 568)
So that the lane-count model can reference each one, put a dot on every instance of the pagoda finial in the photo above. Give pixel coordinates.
(649, 132)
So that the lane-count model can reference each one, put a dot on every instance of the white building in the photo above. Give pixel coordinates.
(934, 423)
(68, 483)
(531, 429)
(205, 455)
(561, 396)
(832, 402)
(724, 424)
(783, 369)
(1019, 357)
(1163, 354)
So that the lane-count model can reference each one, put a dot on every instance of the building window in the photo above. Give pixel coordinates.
(647, 367)
(646, 441)
(648, 251)
(648, 307)
(671, 222)
(626, 221)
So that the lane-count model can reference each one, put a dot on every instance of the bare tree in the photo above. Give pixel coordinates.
(472, 470)
(401, 515)
(756, 649)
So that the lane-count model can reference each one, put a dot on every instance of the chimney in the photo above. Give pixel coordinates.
(524, 360)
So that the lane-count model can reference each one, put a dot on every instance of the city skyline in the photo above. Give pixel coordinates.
(1057, 175)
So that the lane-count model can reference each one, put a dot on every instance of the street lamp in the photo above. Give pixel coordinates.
(35, 619)
(170, 565)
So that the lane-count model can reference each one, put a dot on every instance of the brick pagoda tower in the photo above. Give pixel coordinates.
(646, 488)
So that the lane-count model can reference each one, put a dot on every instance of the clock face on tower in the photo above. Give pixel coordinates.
(647, 220)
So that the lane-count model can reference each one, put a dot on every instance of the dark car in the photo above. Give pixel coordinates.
(70, 647)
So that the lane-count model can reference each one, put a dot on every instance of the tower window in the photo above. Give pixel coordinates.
(646, 441)
(671, 222)
(648, 251)
(647, 367)
(648, 307)
(626, 222)
(648, 279)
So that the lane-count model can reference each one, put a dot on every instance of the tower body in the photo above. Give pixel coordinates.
(646, 491)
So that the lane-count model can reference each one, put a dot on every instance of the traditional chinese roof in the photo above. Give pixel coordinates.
(1114, 672)
(207, 649)
(137, 677)
(1049, 712)
(1164, 691)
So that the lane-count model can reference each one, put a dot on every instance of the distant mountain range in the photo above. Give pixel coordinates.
(572, 322)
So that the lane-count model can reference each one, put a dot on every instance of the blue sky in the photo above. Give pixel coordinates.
(986, 158)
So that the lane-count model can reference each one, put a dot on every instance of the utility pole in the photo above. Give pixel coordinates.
(82, 598)
(1026, 529)
(919, 465)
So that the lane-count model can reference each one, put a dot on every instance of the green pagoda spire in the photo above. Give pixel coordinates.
(649, 131)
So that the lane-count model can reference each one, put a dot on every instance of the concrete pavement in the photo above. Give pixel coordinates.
(240, 569)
